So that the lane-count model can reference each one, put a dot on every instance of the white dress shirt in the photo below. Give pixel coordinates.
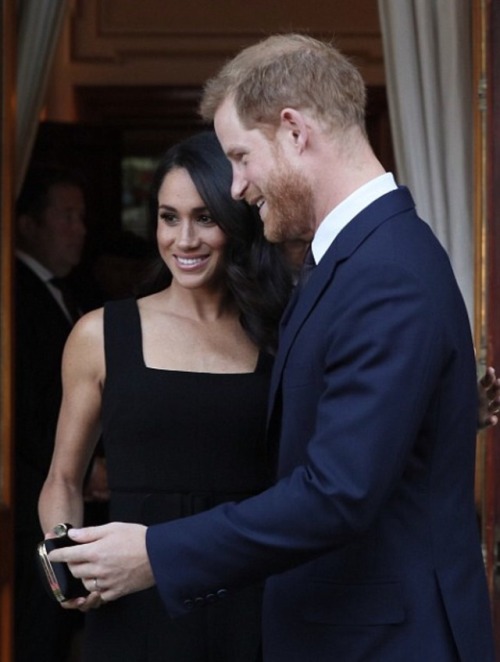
(343, 213)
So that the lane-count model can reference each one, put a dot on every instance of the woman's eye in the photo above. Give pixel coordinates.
(205, 219)
(167, 217)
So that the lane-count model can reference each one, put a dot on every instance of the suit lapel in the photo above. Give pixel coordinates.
(345, 244)
(29, 280)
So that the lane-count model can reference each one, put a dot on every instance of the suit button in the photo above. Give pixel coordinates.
(199, 602)
(189, 604)
(221, 593)
(211, 597)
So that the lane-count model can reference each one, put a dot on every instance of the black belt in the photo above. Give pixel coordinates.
(157, 507)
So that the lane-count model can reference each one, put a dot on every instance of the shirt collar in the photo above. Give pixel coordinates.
(344, 212)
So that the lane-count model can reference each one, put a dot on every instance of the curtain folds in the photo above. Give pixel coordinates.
(428, 63)
(39, 26)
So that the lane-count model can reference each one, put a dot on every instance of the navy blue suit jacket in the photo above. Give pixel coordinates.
(369, 536)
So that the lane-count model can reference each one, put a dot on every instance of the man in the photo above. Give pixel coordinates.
(369, 537)
(50, 237)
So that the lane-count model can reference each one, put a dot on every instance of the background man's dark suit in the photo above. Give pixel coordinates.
(41, 332)
(50, 235)
(370, 531)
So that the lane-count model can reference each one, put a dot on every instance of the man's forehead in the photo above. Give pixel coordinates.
(65, 191)
(226, 118)
(233, 135)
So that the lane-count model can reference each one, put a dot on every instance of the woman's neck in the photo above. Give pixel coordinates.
(198, 304)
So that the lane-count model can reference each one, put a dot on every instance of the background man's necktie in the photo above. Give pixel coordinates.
(68, 297)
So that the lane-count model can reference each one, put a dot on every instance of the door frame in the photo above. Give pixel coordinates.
(7, 87)
(486, 14)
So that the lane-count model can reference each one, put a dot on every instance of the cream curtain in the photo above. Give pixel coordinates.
(39, 25)
(428, 64)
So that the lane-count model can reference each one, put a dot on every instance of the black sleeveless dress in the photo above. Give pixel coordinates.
(176, 443)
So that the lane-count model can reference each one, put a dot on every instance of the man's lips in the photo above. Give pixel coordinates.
(255, 202)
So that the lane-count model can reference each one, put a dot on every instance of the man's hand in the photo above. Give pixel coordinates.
(489, 399)
(110, 560)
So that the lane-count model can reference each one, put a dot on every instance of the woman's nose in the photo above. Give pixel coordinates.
(188, 236)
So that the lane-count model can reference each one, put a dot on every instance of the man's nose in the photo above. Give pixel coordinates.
(238, 186)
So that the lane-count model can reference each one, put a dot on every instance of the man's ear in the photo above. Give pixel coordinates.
(294, 123)
(26, 226)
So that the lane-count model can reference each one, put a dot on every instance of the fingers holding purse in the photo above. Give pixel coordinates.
(60, 583)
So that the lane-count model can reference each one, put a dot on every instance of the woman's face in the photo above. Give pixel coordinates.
(189, 241)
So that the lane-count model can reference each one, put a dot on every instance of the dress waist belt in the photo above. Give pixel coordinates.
(156, 507)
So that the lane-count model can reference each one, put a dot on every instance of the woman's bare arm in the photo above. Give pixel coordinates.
(78, 428)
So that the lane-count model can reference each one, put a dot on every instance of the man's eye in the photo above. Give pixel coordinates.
(238, 159)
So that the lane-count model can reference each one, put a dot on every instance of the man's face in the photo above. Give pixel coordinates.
(56, 239)
(264, 176)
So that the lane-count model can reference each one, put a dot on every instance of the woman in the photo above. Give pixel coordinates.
(177, 382)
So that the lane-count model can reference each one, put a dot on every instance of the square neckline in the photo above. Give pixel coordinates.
(260, 363)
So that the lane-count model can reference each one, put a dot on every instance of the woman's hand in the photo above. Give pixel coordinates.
(489, 399)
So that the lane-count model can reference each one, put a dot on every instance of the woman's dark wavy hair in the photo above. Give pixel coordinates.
(257, 276)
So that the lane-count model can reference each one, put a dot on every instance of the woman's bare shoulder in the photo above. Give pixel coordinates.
(90, 325)
(86, 340)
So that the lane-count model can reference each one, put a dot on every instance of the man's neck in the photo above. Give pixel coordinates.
(344, 166)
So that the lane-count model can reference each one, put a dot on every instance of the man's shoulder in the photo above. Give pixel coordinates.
(28, 286)
(34, 304)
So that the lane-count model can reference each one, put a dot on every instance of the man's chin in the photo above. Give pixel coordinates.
(270, 228)
(271, 236)
(276, 233)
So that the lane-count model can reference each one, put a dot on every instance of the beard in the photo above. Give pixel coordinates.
(289, 201)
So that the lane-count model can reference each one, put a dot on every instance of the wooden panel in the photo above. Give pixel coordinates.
(158, 43)
(120, 28)
(154, 42)
(491, 44)
(7, 30)
(207, 16)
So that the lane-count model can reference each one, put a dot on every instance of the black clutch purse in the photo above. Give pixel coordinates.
(56, 577)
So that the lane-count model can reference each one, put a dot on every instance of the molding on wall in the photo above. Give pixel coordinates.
(153, 43)
(154, 40)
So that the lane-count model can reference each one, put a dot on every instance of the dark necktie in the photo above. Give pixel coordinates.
(306, 269)
(68, 297)
(304, 275)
